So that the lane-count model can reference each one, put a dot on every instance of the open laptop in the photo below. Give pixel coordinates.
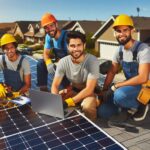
(49, 104)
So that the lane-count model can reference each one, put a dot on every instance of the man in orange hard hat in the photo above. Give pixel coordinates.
(15, 67)
(55, 43)
(134, 57)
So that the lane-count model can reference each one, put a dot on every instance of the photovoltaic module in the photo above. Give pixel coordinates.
(21, 128)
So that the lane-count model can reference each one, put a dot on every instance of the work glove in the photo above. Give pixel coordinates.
(109, 93)
(2, 91)
(16, 94)
(68, 103)
(51, 67)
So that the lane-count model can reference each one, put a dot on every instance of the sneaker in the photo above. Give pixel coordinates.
(141, 113)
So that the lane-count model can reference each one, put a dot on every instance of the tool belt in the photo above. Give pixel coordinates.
(144, 95)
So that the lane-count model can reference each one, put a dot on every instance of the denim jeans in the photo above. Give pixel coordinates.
(125, 97)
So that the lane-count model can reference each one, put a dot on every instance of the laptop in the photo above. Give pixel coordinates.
(48, 103)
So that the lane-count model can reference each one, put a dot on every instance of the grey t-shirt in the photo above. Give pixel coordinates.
(143, 55)
(25, 67)
(78, 73)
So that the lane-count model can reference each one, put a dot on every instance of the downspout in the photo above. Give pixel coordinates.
(138, 35)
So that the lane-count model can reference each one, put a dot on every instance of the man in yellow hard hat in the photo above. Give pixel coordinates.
(134, 57)
(15, 68)
(55, 43)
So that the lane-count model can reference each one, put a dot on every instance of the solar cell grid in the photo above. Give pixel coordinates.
(21, 119)
(75, 132)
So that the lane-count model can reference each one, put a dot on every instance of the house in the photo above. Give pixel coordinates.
(21, 27)
(105, 42)
(84, 26)
(5, 27)
(33, 28)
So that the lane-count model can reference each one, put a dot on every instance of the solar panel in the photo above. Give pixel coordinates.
(21, 128)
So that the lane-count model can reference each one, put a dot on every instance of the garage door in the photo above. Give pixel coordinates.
(107, 50)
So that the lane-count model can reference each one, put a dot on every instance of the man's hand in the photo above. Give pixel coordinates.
(68, 103)
(50, 66)
(109, 93)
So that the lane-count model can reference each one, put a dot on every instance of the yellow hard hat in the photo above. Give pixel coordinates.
(47, 19)
(123, 20)
(6, 39)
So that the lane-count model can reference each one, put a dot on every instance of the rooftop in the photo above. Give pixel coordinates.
(133, 135)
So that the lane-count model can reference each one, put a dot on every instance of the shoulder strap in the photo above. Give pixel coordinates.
(63, 40)
(52, 43)
(120, 53)
(20, 63)
(4, 62)
(136, 51)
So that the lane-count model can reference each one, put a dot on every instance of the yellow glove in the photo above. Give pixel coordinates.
(16, 94)
(48, 62)
(70, 102)
(2, 91)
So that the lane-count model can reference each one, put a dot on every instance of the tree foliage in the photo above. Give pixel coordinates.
(18, 39)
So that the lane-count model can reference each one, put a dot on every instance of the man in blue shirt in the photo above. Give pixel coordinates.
(55, 47)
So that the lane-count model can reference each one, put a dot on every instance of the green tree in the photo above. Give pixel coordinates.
(90, 44)
(18, 39)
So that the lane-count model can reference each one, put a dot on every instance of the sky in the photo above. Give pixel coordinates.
(16, 10)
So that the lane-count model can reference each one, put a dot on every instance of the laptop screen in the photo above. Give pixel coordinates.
(47, 103)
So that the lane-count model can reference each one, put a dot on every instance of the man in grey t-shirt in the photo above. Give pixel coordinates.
(134, 57)
(15, 68)
(82, 70)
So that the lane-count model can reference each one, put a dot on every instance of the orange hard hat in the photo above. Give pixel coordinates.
(47, 19)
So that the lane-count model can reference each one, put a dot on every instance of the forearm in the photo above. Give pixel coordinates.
(137, 80)
(46, 54)
(55, 85)
(108, 80)
(24, 89)
(142, 77)
(54, 90)
(110, 76)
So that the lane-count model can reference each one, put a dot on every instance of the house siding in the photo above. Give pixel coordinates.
(108, 35)
(18, 32)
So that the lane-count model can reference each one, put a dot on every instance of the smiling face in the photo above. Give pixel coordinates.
(51, 29)
(76, 48)
(10, 51)
(123, 34)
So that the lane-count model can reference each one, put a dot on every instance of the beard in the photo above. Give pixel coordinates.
(77, 54)
(124, 42)
(52, 33)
